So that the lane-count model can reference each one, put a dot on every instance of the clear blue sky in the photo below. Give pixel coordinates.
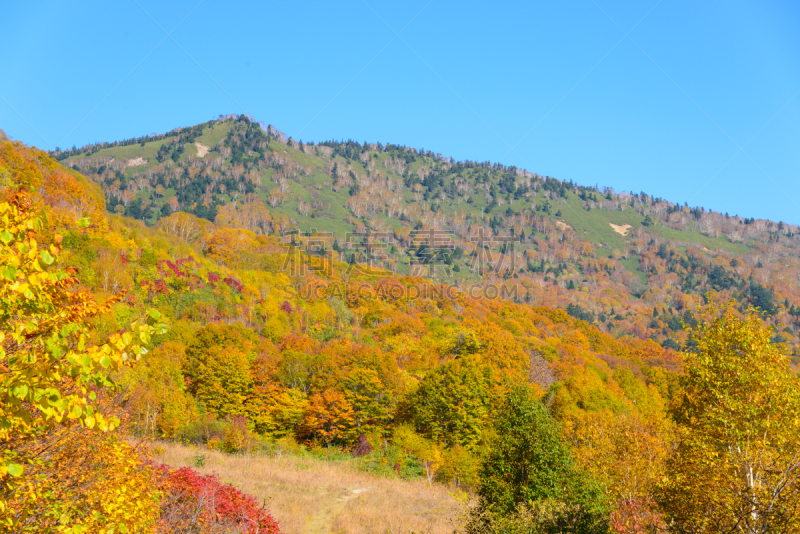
(698, 103)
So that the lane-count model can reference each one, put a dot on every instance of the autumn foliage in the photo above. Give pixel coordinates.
(630, 435)
(201, 504)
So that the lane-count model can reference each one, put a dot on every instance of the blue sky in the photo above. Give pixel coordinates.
(693, 102)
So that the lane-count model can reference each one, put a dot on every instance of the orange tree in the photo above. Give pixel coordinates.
(736, 467)
(52, 378)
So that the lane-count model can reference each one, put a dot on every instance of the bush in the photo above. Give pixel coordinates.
(203, 431)
(201, 504)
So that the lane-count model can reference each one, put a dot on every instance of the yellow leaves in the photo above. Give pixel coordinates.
(44, 355)
(94, 484)
(35, 279)
(737, 409)
(23, 288)
(15, 470)
(75, 412)
(119, 343)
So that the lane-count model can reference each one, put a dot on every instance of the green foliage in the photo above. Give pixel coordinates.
(761, 297)
(452, 402)
(530, 465)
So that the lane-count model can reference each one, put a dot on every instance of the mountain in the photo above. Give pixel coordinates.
(404, 347)
(202, 328)
(628, 262)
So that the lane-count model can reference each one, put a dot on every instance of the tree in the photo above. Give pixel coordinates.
(53, 394)
(276, 411)
(218, 364)
(329, 418)
(452, 402)
(530, 467)
(185, 226)
(158, 395)
(737, 462)
(761, 297)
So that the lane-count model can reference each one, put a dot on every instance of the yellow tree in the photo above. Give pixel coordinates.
(218, 364)
(51, 379)
(158, 397)
(737, 462)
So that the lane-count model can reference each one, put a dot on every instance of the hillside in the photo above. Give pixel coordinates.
(404, 372)
(312, 495)
(629, 263)
(551, 406)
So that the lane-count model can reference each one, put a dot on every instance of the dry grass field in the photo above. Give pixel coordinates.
(309, 495)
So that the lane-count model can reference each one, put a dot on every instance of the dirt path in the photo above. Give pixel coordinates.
(322, 521)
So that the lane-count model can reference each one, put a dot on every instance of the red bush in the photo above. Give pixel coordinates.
(363, 448)
(196, 503)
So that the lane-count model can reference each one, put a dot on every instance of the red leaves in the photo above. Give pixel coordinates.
(200, 501)
(363, 448)
(234, 284)
(636, 516)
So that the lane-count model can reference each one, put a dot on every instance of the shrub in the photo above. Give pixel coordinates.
(200, 504)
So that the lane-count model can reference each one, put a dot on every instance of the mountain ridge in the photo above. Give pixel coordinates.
(567, 243)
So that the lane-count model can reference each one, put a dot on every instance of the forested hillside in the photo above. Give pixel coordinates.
(192, 311)
(627, 262)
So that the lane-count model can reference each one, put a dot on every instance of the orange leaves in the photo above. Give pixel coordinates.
(70, 199)
(22, 167)
(329, 418)
(227, 245)
(500, 349)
